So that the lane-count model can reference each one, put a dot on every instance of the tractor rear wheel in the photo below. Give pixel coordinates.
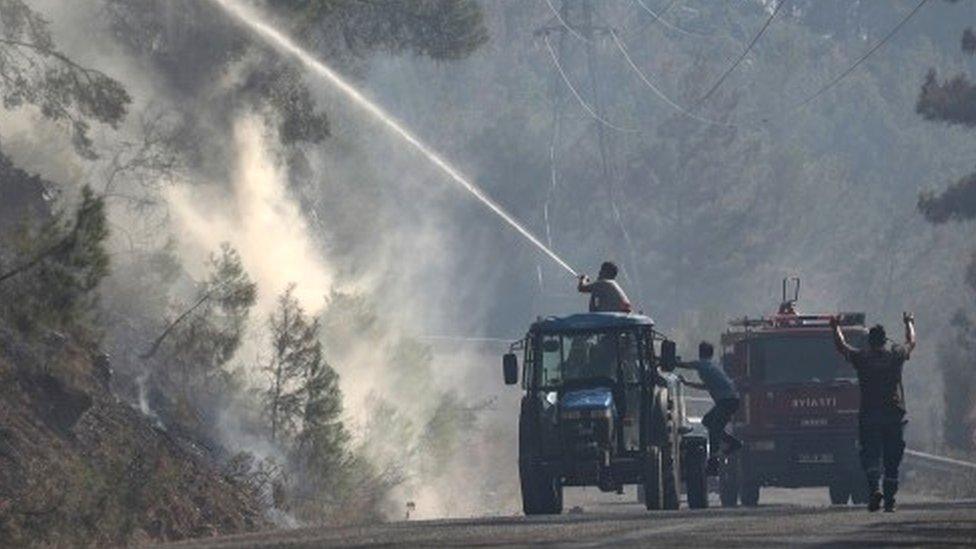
(653, 485)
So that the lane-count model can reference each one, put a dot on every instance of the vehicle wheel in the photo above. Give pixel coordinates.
(859, 491)
(839, 493)
(695, 478)
(653, 492)
(542, 494)
(670, 476)
(749, 494)
(728, 482)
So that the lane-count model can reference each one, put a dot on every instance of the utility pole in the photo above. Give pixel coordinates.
(579, 15)
(603, 140)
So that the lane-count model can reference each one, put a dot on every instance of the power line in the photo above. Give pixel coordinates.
(658, 17)
(579, 98)
(656, 90)
(752, 43)
(860, 60)
(566, 25)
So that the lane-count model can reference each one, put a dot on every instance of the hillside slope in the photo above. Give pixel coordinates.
(79, 467)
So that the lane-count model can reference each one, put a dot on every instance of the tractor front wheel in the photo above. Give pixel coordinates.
(542, 493)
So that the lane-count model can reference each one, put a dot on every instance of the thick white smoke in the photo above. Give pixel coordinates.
(254, 213)
(257, 215)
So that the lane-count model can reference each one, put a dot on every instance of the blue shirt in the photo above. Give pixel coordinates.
(717, 382)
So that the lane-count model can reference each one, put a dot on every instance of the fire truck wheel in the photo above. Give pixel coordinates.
(653, 487)
(696, 478)
(859, 491)
(840, 492)
(750, 493)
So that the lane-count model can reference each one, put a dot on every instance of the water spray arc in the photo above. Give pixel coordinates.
(278, 39)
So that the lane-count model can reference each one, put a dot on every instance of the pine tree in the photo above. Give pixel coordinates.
(953, 101)
(323, 436)
(33, 71)
(283, 398)
(303, 407)
(203, 343)
(303, 401)
(58, 270)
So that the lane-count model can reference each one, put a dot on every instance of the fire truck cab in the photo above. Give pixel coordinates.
(798, 417)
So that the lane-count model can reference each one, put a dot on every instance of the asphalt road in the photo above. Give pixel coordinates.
(794, 518)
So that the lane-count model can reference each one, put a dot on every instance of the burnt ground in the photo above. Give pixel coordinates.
(78, 467)
(598, 522)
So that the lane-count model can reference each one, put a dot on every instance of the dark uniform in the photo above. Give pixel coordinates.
(882, 414)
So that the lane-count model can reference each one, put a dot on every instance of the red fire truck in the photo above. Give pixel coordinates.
(798, 417)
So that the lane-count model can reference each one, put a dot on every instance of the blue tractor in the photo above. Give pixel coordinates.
(602, 407)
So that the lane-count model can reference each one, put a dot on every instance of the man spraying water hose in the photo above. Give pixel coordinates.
(283, 43)
(882, 413)
(605, 294)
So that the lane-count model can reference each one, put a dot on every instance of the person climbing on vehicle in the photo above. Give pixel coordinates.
(605, 294)
(882, 414)
(723, 393)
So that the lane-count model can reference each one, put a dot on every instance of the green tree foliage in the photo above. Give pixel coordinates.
(407, 439)
(451, 425)
(954, 102)
(24, 203)
(951, 101)
(440, 29)
(55, 272)
(956, 359)
(303, 410)
(202, 344)
(33, 71)
(297, 374)
(190, 43)
(284, 91)
(956, 203)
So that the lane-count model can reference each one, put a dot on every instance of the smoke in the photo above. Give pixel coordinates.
(255, 22)
(254, 213)
(257, 215)
(370, 217)
(378, 222)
